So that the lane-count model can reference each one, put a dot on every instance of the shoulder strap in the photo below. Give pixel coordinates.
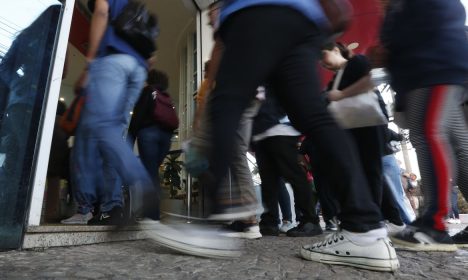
(336, 82)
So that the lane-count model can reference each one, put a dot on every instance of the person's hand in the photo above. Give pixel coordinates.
(82, 81)
(335, 95)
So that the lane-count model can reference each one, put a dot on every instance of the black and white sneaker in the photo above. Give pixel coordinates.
(305, 230)
(337, 248)
(114, 217)
(415, 238)
(461, 238)
(331, 225)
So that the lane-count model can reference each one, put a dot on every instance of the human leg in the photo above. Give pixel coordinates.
(260, 41)
(369, 142)
(115, 84)
(153, 146)
(391, 172)
(240, 173)
(284, 153)
(269, 189)
(334, 150)
(430, 116)
(284, 202)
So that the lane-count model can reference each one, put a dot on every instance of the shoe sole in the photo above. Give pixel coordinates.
(462, 245)
(192, 249)
(244, 235)
(409, 246)
(387, 265)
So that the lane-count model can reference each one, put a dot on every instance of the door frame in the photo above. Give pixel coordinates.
(48, 122)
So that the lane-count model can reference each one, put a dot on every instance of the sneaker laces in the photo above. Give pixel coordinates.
(330, 239)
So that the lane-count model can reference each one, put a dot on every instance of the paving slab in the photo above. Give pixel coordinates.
(266, 258)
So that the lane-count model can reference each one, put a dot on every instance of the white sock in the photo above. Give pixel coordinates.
(366, 237)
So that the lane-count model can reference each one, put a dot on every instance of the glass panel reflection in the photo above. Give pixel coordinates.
(28, 29)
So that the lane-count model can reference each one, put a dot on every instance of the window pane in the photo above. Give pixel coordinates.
(28, 29)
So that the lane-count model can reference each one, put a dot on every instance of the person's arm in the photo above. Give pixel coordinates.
(215, 59)
(361, 86)
(98, 27)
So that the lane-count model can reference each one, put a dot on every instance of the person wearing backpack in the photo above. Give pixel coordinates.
(102, 159)
(152, 136)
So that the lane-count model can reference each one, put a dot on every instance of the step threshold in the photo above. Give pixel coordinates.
(56, 235)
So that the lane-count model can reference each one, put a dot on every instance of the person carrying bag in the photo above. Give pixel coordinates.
(361, 110)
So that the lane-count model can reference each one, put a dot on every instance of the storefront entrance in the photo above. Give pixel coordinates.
(36, 37)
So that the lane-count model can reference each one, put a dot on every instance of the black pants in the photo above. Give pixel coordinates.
(370, 143)
(280, 46)
(328, 203)
(277, 157)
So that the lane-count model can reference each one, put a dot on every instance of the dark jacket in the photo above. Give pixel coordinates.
(427, 44)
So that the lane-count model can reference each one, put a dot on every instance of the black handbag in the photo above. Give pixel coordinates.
(138, 27)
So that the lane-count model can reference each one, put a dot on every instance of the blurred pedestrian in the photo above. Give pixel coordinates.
(393, 178)
(113, 78)
(152, 138)
(427, 61)
(278, 42)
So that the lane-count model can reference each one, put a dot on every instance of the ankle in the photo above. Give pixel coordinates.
(366, 237)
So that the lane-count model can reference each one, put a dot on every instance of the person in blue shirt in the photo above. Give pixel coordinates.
(279, 42)
(428, 62)
(101, 159)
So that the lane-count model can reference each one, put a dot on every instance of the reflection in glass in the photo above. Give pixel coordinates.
(24, 72)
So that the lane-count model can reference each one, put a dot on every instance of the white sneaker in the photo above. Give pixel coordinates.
(393, 229)
(338, 249)
(196, 240)
(287, 226)
(251, 232)
(78, 219)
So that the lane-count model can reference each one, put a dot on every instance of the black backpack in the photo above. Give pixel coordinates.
(138, 27)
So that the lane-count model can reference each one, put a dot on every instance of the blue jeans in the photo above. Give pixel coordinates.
(101, 157)
(392, 176)
(153, 145)
(284, 202)
(454, 212)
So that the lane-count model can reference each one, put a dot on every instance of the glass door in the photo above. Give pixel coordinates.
(28, 32)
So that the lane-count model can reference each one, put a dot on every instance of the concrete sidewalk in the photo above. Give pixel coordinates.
(266, 258)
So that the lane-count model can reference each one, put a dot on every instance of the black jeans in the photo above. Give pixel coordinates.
(277, 157)
(280, 46)
(328, 205)
(370, 143)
